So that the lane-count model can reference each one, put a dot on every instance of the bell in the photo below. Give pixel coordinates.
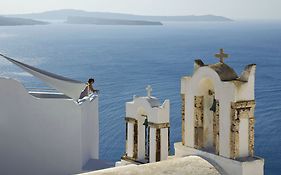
(213, 107)
(145, 123)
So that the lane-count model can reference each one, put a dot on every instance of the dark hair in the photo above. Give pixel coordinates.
(91, 80)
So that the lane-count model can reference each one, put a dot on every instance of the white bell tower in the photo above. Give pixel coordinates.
(147, 130)
(218, 117)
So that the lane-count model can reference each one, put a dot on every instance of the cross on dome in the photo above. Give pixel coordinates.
(149, 90)
(221, 55)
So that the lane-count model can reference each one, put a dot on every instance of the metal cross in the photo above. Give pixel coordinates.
(149, 90)
(221, 55)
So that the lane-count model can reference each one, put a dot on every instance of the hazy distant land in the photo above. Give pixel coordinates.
(11, 21)
(65, 13)
(104, 21)
(101, 18)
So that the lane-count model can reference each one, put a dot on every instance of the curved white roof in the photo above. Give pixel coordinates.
(191, 165)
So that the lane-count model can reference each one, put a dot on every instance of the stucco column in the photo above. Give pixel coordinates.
(158, 145)
(132, 137)
(152, 144)
(199, 120)
(164, 141)
(183, 118)
(216, 128)
(239, 109)
(130, 141)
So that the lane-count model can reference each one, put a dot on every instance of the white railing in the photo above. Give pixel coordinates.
(41, 89)
(53, 93)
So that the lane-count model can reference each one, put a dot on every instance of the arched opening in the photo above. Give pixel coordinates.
(146, 135)
(143, 135)
(206, 117)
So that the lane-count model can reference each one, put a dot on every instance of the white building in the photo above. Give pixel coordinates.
(218, 117)
(46, 132)
(147, 130)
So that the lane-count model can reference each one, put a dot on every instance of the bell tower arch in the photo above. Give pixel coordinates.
(206, 116)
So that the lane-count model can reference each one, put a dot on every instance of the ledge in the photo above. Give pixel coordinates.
(192, 165)
(49, 95)
(226, 166)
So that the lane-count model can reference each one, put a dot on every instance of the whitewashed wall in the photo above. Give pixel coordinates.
(45, 136)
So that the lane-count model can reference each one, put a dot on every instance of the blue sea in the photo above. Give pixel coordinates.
(125, 59)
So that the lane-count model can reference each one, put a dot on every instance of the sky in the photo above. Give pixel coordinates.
(235, 9)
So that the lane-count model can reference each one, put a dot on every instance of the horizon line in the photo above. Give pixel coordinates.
(137, 14)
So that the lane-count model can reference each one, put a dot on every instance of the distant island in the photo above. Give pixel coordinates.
(105, 21)
(12, 21)
(65, 13)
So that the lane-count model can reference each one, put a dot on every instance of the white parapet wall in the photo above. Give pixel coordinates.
(45, 133)
(226, 166)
